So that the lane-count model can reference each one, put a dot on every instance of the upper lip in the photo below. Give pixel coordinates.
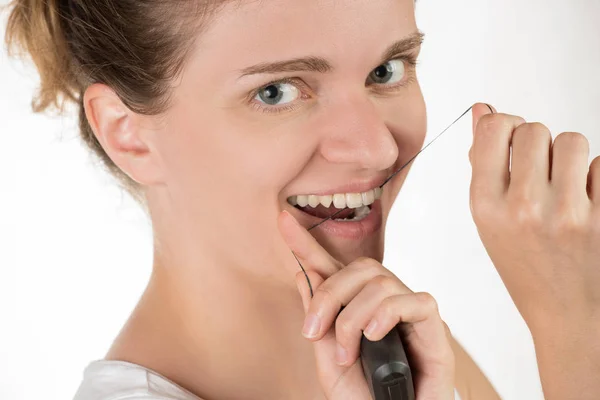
(355, 186)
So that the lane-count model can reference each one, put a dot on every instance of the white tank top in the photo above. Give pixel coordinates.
(120, 380)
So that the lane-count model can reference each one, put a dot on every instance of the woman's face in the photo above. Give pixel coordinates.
(285, 98)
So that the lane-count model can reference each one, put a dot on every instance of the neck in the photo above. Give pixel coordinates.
(219, 249)
(200, 326)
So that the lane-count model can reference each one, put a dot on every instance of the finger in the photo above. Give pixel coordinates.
(338, 290)
(303, 286)
(491, 154)
(306, 248)
(570, 153)
(417, 317)
(594, 180)
(324, 349)
(530, 164)
(409, 308)
(353, 319)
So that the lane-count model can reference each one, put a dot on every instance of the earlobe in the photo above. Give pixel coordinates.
(119, 131)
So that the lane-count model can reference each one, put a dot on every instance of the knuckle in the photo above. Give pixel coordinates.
(531, 132)
(536, 128)
(362, 260)
(384, 283)
(518, 121)
(526, 212)
(571, 139)
(387, 308)
(483, 208)
(427, 301)
(490, 124)
(370, 267)
(568, 220)
(366, 263)
(324, 295)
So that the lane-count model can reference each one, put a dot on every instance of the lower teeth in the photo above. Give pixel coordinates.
(359, 214)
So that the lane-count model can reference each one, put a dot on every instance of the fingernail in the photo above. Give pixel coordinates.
(370, 329)
(312, 324)
(340, 355)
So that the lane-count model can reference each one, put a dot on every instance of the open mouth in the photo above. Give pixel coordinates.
(347, 214)
(354, 206)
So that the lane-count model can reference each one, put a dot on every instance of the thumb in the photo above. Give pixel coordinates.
(479, 110)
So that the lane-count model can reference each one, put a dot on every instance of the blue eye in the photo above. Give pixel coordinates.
(278, 93)
(390, 72)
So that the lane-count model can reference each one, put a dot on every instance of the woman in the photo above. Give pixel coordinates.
(238, 125)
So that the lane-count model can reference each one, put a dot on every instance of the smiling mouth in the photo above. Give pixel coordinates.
(355, 206)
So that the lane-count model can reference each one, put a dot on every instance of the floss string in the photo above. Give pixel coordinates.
(381, 186)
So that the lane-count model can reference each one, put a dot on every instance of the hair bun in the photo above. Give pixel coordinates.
(137, 48)
(35, 28)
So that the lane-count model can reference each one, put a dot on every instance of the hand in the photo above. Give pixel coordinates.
(372, 296)
(538, 216)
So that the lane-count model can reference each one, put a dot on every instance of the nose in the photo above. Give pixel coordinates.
(355, 133)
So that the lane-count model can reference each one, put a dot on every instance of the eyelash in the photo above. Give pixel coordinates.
(411, 64)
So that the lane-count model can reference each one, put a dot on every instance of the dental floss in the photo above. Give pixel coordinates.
(381, 186)
(384, 362)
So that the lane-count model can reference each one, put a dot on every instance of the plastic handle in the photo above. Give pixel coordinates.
(386, 368)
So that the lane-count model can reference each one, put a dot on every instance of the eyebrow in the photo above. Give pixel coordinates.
(319, 64)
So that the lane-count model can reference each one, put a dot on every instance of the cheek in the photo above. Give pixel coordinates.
(408, 124)
(191, 153)
(234, 161)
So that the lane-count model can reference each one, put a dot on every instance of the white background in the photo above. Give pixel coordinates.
(75, 252)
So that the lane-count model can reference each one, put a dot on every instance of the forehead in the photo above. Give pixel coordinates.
(340, 30)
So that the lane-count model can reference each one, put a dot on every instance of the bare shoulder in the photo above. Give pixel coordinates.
(471, 383)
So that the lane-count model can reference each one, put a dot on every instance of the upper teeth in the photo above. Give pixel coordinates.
(339, 200)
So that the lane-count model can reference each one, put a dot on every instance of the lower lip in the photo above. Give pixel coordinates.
(356, 230)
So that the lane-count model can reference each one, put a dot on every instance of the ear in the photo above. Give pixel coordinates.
(122, 134)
